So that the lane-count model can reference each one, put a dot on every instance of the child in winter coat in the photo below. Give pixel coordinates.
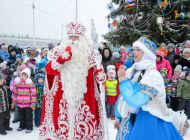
(17, 73)
(183, 92)
(163, 63)
(4, 107)
(175, 81)
(19, 60)
(112, 91)
(42, 66)
(167, 84)
(24, 96)
(39, 91)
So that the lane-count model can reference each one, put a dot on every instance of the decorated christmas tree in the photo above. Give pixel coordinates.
(160, 20)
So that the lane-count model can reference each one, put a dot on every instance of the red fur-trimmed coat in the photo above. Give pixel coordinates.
(89, 120)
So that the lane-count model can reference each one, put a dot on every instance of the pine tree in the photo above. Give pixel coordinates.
(160, 20)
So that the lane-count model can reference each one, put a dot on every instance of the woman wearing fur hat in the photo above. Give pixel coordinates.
(24, 96)
(141, 109)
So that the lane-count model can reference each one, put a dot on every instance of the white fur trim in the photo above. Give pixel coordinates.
(110, 67)
(17, 80)
(15, 73)
(5, 62)
(27, 71)
(186, 50)
(138, 44)
(56, 66)
(28, 81)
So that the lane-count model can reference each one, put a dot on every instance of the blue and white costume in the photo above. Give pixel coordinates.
(144, 97)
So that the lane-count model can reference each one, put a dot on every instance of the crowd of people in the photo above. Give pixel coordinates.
(172, 62)
(23, 73)
(22, 86)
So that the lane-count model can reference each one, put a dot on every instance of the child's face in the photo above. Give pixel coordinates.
(176, 61)
(163, 46)
(158, 58)
(43, 69)
(186, 54)
(163, 74)
(13, 53)
(11, 69)
(170, 49)
(177, 73)
(40, 80)
(18, 59)
(111, 74)
(188, 77)
(2, 81)
(23, 76)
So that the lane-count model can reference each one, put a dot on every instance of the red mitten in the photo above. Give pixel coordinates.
(65, 56)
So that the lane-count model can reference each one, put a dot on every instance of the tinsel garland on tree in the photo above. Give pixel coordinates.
(160, 20)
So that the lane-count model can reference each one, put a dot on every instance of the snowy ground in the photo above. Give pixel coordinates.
(15, 135)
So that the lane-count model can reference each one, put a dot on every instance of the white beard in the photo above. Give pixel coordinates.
(74, 73)
(73, 78)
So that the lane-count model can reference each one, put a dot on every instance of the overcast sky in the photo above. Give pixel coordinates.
(16, 16)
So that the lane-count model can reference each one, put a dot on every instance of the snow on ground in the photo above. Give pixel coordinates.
(15, 135)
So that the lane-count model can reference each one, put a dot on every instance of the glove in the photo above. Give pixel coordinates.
(65, 56)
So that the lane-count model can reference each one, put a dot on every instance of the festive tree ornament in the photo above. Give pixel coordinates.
(129, 1)
(182, 15)
(109, 25)
(176, 14)
(163, 4)
(188, 14)
(129, 6)
(159, 22)
(115, 24)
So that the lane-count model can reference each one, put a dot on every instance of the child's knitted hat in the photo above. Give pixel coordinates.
(27, 71)
(178, 68)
